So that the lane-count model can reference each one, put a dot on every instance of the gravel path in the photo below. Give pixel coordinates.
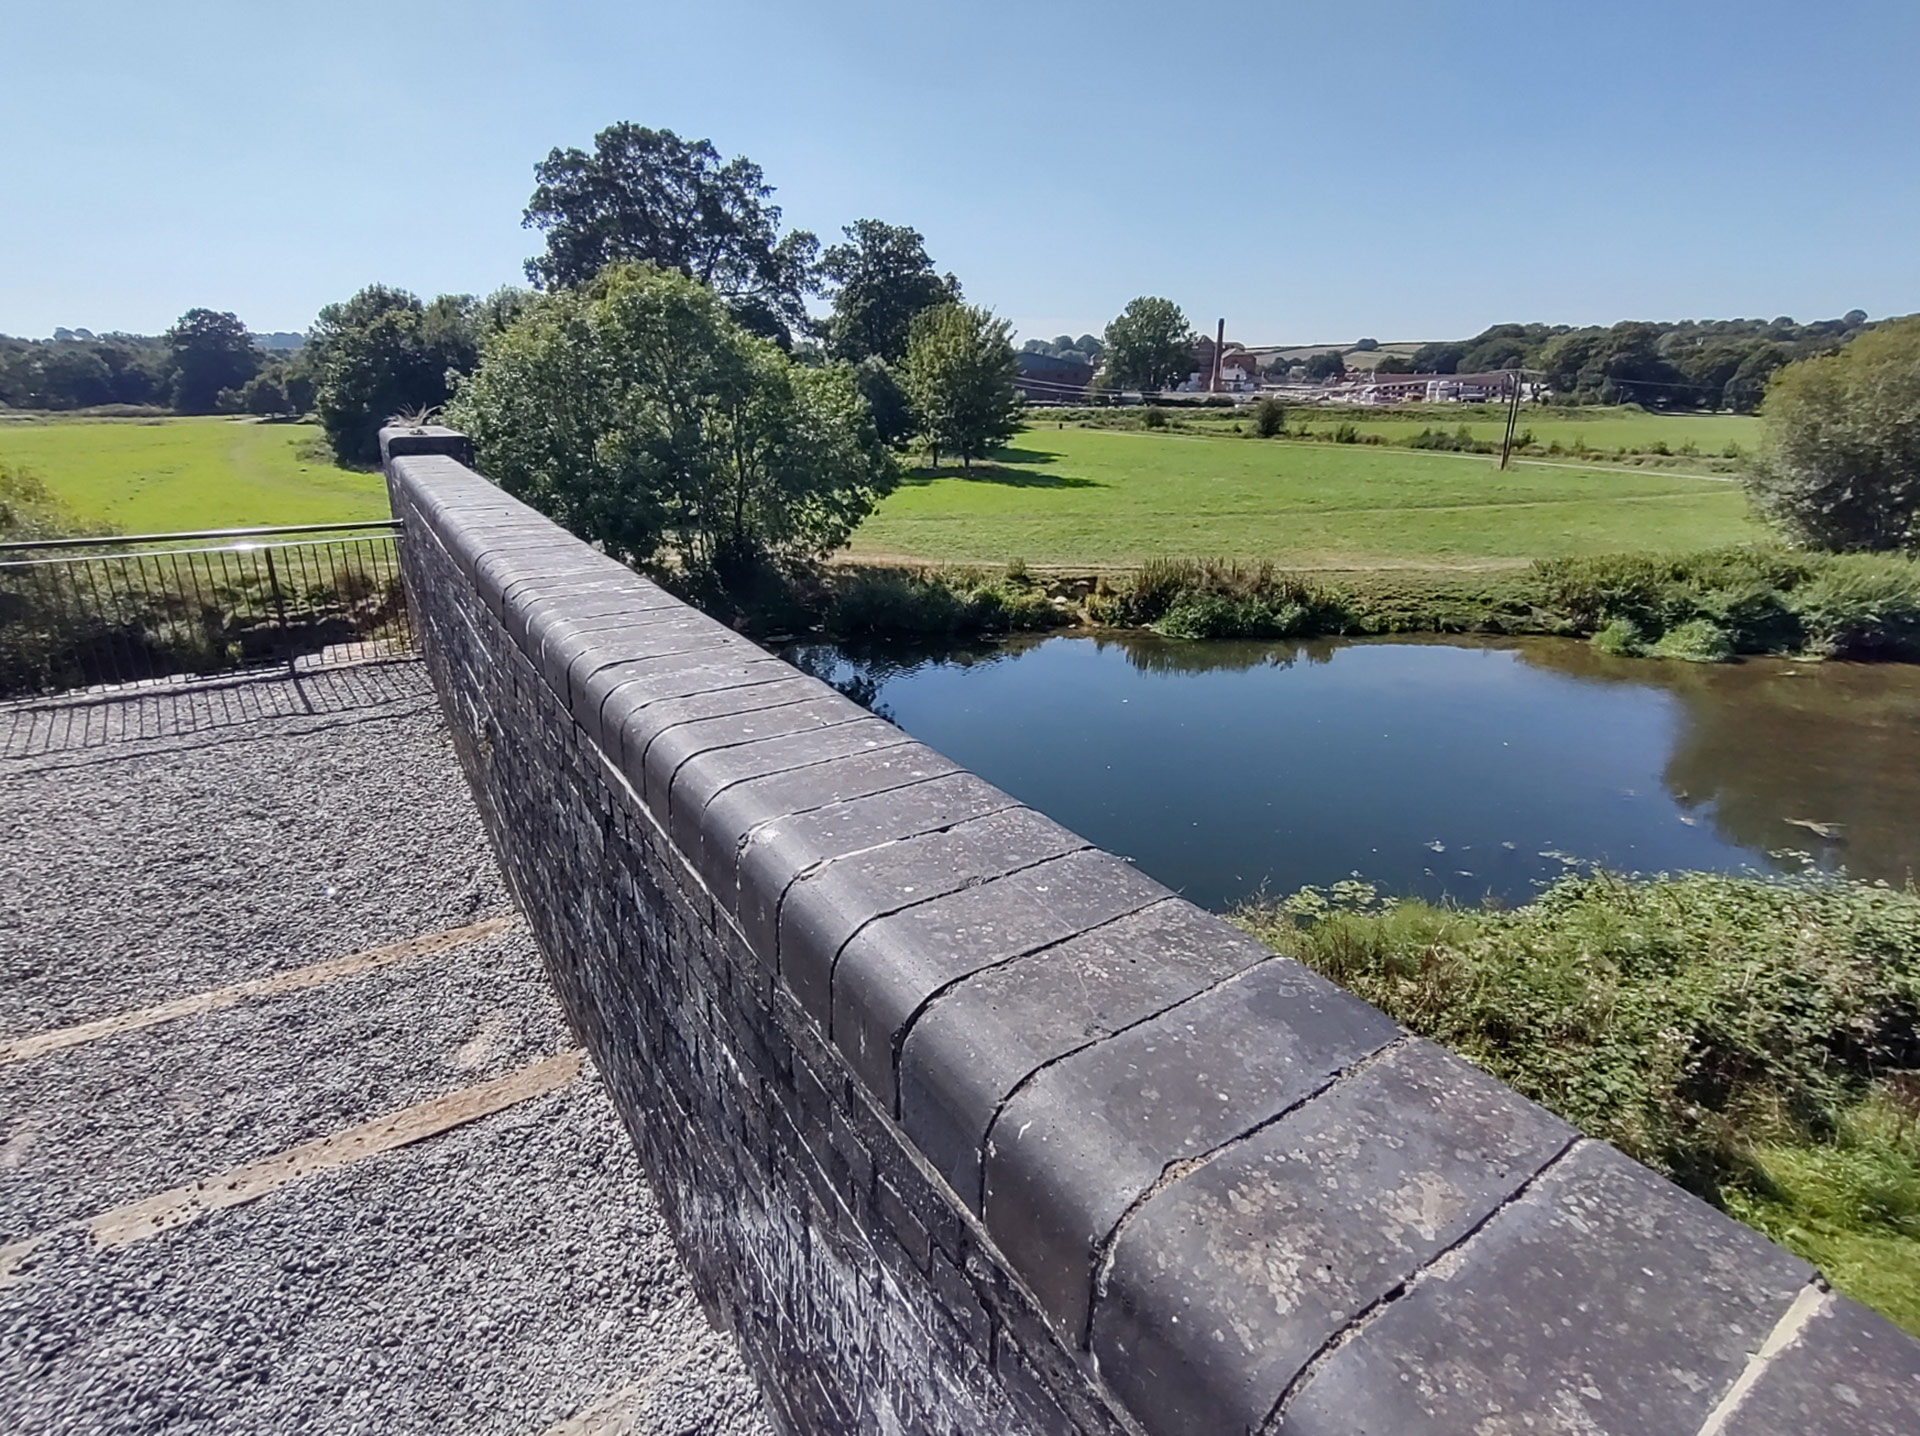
(500, 1277)
(167, 866)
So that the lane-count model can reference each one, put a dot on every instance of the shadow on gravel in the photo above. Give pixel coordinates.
(99, 718)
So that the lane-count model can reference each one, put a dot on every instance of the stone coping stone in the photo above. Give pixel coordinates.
(782, 850)
(719, 801)
(822, 909)
(1090, 1135)
(1605, 1299)
(1224, 1284)
(1846, 1372)
(667, 751)
(974, 1045)
(897, 964)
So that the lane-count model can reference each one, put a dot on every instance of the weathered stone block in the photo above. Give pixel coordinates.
(1843, 1371)
(735, 812)
(823, 908)
(1605, 1298)
(1225, 1284)
(973, 1047)
(895, 964)
(1088, 1136)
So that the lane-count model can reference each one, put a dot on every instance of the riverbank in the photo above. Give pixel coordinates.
(1703, 607)
(1757, 1039)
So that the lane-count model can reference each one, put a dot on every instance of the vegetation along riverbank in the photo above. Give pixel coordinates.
(1753, 1038)
(1702, 607)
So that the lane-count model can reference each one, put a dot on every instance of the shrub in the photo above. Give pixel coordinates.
(1861, 608)
(1620, 637)
(1269, 417)
(1154, 417)
(1216, 598)
(1346, 434)
(1698, 640)
(899, 603)
(1758, 600)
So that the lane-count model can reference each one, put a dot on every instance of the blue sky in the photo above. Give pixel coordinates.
(1311, 172)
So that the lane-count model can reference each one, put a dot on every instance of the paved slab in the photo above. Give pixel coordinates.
(293, 1137)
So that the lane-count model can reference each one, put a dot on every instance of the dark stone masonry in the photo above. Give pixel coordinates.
(964, 1126)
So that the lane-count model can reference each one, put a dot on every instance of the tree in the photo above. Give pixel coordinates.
(883, 278)
(1839, 467)
(638, 413)
(1366, 346)
(1438, 358)
(1150, 345)
(1395, 364)
(879, 384)
(959, 376)
(265, 396)
(382, 352)
(1748, 386)
(648, 195)
(1326, 365)
(209, 351)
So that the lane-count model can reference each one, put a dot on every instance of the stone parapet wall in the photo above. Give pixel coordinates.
(963, 1125)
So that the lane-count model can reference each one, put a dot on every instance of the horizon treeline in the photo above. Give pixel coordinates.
(1684, 364)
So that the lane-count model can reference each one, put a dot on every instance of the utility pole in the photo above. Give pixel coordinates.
(1219, 343)
(1513, 416)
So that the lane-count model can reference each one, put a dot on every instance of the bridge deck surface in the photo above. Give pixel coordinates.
(293, 1137)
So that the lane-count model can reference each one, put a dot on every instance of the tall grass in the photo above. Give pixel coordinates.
(1218, 598)
(1742, 600)
(932, 603)
(1704, 607)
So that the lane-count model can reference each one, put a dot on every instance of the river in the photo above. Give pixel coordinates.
(1460, 769)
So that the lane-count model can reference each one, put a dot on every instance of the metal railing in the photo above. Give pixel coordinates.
(105, 612)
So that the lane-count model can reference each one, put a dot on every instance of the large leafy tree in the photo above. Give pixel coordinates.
(650, 196)
(1840, 466)
(881, 278)
(959, 377)
(383, 352)
(1149, 346)
(638, 413)
(208, 351)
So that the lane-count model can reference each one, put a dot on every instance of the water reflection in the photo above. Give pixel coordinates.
(1824, 758)
(1463, 769)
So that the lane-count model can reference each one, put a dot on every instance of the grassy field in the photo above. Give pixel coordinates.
(1099, 498)
(152, 476)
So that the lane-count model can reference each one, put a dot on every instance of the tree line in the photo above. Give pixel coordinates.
(207, 363)
(1691, 364)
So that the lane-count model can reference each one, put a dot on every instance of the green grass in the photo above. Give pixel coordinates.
(153, 476)
(1101, 498)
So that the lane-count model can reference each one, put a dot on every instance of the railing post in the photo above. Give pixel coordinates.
(279, 609)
